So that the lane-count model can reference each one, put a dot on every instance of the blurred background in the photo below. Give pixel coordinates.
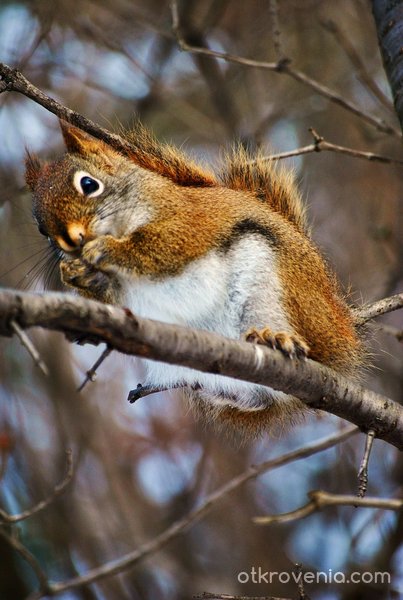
(140, 467)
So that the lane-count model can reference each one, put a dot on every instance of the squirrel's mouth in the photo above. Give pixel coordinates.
(72, 237)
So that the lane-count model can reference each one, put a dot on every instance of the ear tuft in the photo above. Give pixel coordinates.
(33, 168)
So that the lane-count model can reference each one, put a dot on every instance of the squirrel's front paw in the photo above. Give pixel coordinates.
(100, 252)
(290, 344)
(78, 274)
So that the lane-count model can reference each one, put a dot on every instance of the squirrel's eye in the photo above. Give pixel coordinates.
(87, 185)
(42, 231)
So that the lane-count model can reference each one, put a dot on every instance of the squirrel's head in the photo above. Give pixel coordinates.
(92, 190)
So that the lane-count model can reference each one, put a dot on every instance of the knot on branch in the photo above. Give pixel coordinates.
(8, 77)
(282, 65)
(317, 139)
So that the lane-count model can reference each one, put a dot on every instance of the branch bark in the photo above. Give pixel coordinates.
(318, 386)
(388, 15)
(376, 309)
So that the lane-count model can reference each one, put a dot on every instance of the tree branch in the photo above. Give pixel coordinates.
(321, 145)
(57, 491)
(12, 540)
(376, 309)
(320, 499)
(132, 558)
(318, 386)
(363, 75)
(281, 66)
(26, 342)
(11, 80)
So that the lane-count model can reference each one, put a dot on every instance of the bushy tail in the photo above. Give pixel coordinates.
(269, 182)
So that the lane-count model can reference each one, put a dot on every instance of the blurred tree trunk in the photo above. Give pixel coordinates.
(388, 16)
(12, 585)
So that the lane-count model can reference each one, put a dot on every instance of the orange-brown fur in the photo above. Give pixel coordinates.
(195, 212)
(166, 160)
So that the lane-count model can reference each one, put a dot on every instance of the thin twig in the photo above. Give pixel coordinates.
(12, 80)
(12, 540)
(29, 346)
(337, 99)
(132, 558)
(282, 66)
(289, 154)
(321, 145)
(275, 29)
(92, 372)
(40, 37)
(320, 500)
(363, 471)
(362, 72)
(376, 309)
(57, 491)
(141, 391)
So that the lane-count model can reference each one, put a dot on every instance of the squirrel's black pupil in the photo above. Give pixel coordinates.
(88, 185)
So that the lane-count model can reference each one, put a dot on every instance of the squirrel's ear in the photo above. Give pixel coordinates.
(33, 168)
(79, 142)
(76, 140)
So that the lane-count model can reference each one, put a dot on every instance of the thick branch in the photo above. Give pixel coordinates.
(313, 383)
(388, 17)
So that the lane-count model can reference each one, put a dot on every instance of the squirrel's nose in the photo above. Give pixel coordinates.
(72, 238)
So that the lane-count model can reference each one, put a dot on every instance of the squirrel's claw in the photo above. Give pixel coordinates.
(290, 344)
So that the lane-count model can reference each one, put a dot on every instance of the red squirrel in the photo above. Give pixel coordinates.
(229, 252)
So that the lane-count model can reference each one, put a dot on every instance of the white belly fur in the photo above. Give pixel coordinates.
(225, 293)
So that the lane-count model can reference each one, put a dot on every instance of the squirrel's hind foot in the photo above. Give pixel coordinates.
(290, 344)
